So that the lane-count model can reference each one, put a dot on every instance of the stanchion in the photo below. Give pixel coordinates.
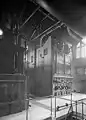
(26, 98)
(55, 107)
(76, 110)
(51, 105)
(82, 110)
(26, 84)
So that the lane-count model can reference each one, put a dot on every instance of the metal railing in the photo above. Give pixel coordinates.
(80, 111)
(76, 109)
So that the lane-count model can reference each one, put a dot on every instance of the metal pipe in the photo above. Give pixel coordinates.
(42, 11)
(12, 74)
(46, 14)
(55, 107)
(76, 110)
(82, 110)
(49, 33)
(26, 89)
(38, 25)
(51, 106)
(47, 30)
(11, 81)
(30, 16)
(72, 35)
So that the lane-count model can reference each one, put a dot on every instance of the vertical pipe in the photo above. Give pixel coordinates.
(55, 102)
(64, 64)
(52, 91)
(76, 110)
(55, 107)
(51, 106)
(26, 99)
(82, 110)
(26, 86)
(35, 64)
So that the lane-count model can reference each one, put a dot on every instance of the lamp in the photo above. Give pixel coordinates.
(1, 32)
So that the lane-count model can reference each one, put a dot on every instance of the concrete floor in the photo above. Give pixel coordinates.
(41, 108)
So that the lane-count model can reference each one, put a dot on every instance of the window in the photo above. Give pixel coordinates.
(81, 51)
(78, 52)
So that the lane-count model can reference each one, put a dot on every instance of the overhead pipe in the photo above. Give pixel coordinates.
(69, 11)
(53, 27)
(38, 25)
(41, 10)
(49, 33)
(76, 37)
(38, 8)
(46, 14)
(30, 17)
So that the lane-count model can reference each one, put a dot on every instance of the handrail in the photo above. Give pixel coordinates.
(12, 80)
(13, 74)
(82, 110)
(66, 106)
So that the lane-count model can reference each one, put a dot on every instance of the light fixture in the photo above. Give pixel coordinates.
(1, 32)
